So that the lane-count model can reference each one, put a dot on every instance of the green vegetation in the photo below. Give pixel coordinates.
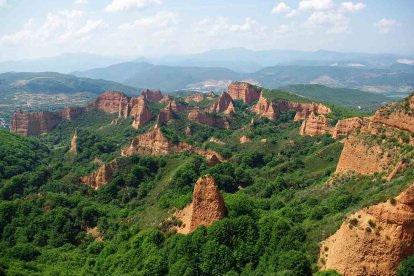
(279, 205)
(407, 267)
(282, 95)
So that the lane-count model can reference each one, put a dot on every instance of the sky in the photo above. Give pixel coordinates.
(153, 28)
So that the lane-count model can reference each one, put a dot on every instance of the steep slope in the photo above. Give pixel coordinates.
(374, 240)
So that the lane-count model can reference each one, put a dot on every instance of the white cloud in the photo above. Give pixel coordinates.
(386, 25)
(355, 65)
(333, 21)
(81, 2)
(160, 20)
(248, 25)
(315, 5)
(405, 61)
(351, 7)
(292, 13)
(126, 5)
(282, 29)
(63, 27)
(282, 7)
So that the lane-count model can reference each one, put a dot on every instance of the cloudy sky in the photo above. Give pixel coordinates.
(133, 28)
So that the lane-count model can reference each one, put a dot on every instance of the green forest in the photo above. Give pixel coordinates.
(282, 199)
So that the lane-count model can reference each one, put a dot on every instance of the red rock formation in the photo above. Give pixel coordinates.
(101, 176)
(396, 115)
(73, 145)
(374, 240)
(25, 123)
(224, 104)
(195, 98)
(204, 118)
(188, 131)
(266, 108)
(152, 95)
(347, 126)
(362, 158)
(111, 102)
(165, 99)
(244, 91)
(207, 206)
(139, 111)
(245, 139)
(69, 113)
(315, 125)
(212, 157)
(154, 143)
(176, 106)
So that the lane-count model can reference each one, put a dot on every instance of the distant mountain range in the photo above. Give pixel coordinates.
(53, 83)
(396, 79)
(240, 60)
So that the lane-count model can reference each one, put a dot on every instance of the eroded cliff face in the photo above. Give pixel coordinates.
(206, 208)
(73, 144)
(315, 125)
(224, 104)
(69, 113)
(374, 149)
(195, 98)
(111, 102)
(152, 95)
(397, 115)
(205, 118)
(102, 176)
(347, 126)
(244, 91)
(374, 240)
(37, 123)
(138, 107)
(153, 143)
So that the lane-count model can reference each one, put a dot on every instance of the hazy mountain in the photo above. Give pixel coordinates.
(53, 83)
(64, 63)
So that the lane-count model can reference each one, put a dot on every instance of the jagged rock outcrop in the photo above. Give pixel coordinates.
(224, 104)
(244, 139)
(244, 91)
(205, 118)
(188, 131)
(315, 125)
(111, 102)
(165, 99)
(398, 115)
(69, 113)
(169, 112)
(206, 208)
(154, 143)
(195, 98)
(374, 240)
(36, 123)
(211, 156)
(347, 126)
(138, 107)
(101, 176)
(152, 95)
(266, 108)
(73, 145)
(176, 106)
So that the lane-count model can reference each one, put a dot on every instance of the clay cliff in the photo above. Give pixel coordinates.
(111, 102)
(206, 208)
(347, 126)
(69, 113)
(315, 125)
(73, 145)
(152, 95)
(195, 98)
(153, 143)
(244, 91)
(101, 176)
(224, 104)
(266, 108)
(138, 107)
(374, 240)
(373, 149)
(205, 118)
(398, 115)
(37, 123)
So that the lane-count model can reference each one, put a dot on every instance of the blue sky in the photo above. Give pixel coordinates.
(133, 28)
